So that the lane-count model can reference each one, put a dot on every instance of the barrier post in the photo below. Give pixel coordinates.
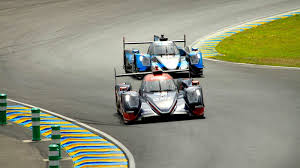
(55, 136)
(53, 156)
(35, 120)
(3, 105)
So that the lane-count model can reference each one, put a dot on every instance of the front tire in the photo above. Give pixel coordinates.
(198, 73)
(200, 116)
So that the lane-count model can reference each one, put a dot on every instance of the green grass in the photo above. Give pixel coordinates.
(274, 43)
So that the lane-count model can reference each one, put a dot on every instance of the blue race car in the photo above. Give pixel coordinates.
(164, 55)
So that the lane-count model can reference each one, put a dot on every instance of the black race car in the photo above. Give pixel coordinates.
(159, 96)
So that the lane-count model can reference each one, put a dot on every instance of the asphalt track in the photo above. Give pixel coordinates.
(59, 55)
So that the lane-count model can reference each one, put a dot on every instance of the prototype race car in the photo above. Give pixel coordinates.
(159, 96)
(165, 54)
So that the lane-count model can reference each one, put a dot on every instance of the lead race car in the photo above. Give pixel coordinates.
(165, 55)
(159, 96)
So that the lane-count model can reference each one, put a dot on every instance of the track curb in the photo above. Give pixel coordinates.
(131, 162)
(207, 44)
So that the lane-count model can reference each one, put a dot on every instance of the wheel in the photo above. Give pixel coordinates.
(201, 116)
(197, 74)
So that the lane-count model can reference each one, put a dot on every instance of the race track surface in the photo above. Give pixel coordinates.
(60, 54)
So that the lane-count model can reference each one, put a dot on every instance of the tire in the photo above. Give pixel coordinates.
(201, 116)
(197, 74)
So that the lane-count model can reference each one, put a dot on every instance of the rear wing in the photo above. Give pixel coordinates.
(143, 42)
(146, 73)
(156, 38)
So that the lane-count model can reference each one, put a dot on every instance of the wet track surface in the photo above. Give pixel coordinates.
(60, 55)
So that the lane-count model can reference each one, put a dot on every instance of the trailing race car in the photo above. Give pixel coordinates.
(159, 96)
(165, 55)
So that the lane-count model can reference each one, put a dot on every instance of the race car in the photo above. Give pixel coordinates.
(165, 54)
(159, 96)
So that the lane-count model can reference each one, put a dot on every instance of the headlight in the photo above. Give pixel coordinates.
(195, 59)
(127, 98)
(131, 100)
(198, 92)
(145, 60)
(134, 102)
(193, 95)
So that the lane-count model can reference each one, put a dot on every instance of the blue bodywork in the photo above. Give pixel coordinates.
(135, 55)
(138, 62)
(129, 57)
(200, 63)
(143, 68)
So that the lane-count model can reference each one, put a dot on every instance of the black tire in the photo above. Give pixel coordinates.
(201, 116)
(197, 74)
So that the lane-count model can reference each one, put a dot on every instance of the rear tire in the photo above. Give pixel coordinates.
(201, 116)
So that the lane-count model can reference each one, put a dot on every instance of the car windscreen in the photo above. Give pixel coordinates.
(159, 86)
(164, 49)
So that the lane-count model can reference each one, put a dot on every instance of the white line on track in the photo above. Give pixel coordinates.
(131, 162)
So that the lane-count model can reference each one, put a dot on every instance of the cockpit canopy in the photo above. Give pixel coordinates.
(163, 48)
(158, 83)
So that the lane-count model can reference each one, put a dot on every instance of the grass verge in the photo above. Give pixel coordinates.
(273, 43)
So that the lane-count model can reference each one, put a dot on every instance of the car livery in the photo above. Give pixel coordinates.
(165, 55)
(159, 96)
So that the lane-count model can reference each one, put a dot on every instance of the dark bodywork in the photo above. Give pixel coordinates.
(159, 96)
